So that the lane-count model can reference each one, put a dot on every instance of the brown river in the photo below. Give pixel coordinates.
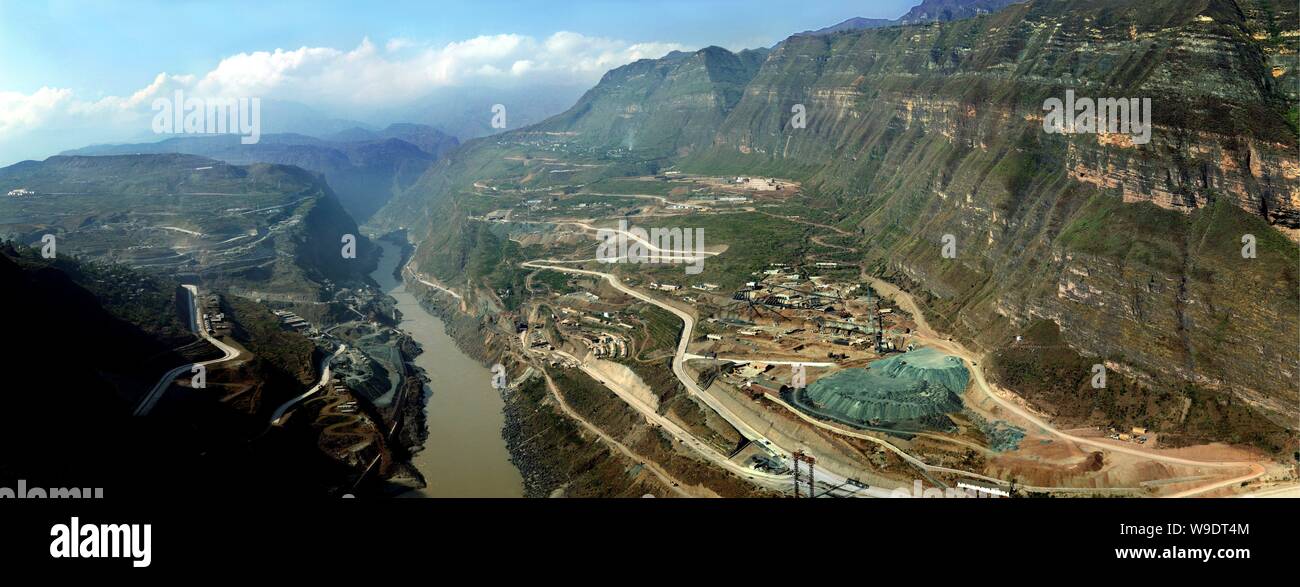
(465, 455)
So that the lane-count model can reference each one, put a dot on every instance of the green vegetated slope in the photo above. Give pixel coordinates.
(917, 132)
(668, 106)
(266, 230)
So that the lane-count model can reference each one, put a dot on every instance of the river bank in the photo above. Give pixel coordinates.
(463, 452)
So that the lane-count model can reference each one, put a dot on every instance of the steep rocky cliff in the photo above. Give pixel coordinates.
(973, 86)
(918, 132)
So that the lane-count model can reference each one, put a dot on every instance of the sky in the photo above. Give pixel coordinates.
(76, 72)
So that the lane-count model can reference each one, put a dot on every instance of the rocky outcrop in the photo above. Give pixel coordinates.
(1219, 115)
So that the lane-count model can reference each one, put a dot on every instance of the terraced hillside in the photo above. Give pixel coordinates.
(268, 231)
(364, 167)
(915, 133)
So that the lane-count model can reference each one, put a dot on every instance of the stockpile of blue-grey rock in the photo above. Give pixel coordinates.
(916, 388)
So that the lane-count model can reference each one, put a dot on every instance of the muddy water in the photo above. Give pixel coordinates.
(465, 455)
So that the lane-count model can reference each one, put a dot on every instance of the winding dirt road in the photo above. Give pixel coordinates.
(664, 477)
(929, 337)
(999, 396)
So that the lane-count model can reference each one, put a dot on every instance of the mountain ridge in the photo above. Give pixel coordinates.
(364, 167)
(926, 11)
(267, 228)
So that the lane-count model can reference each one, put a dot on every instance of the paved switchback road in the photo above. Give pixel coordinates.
(229, 353)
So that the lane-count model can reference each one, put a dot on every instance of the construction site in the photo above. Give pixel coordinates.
(787, 311)
(783, 346)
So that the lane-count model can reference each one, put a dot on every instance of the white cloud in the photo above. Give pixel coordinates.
(405, 70)
(336, 80)
(19, 113)
(398, 44)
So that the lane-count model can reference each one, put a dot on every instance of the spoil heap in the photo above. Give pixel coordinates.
(916, 387)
